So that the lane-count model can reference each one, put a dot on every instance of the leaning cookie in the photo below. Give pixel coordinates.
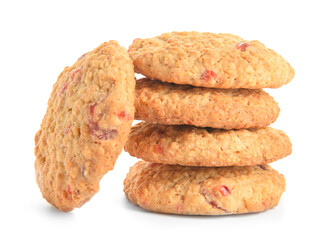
(192, 146)
(88, 119)
(203, 190)
(173, 104)
(210, 60)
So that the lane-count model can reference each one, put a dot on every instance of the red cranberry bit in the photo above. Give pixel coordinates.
(207, 75)
(81, 57)
(102, 134)
(124, 115)
(224, 190)
(94, 130)
(262, 167)
(209, 198)
(242, 46)
(91, 111)
(69, 191)
(72, 77)
(64, 87)
(153, 165)
(74, 73)
(212, 203)
(158, 149)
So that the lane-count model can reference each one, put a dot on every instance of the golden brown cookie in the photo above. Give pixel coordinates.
(210, 60)
(88, 119)
(203, 190)
(172, 104)
(192, 146)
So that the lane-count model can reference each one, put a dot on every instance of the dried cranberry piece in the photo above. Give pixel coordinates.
(242, 46)
(210, 198)
(72, 77)
(158, 149)
(69, 191)
(153, 165)
(103, 134)
(95, 130)
(224, 190)
(262, 167)
(207, 75)
(124, 115)
(81, 57)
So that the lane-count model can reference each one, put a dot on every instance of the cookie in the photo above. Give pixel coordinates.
(88, 119)
(210, 60)
(203, 190)
(192, 146)
(172, 104)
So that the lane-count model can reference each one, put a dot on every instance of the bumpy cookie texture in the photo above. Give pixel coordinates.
(172, 104)
(203, 191)
(209, 60)
(192, 146)
(88, 119)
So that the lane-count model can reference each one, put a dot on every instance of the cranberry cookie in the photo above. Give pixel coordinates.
(173, 104)
(210, 60)
(193, 146)
(88, 119)
(203, 190)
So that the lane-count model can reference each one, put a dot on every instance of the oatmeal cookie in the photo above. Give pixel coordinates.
(203, 190)
(210, 60)
(192, 146)
(88, 119)
(173, 104)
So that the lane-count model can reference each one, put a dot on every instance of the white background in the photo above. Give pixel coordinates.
(39, 38)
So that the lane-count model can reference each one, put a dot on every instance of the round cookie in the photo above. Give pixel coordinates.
(88, 119)
(192, 146)
(209, 60)
(203, 191)
(172, 104)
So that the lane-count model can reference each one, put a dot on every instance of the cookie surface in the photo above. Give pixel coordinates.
(192, 146)
(173, 104)
(209, 60)
(88, 119)
(203, 190)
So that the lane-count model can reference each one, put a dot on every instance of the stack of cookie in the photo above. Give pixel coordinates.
(205, 140)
